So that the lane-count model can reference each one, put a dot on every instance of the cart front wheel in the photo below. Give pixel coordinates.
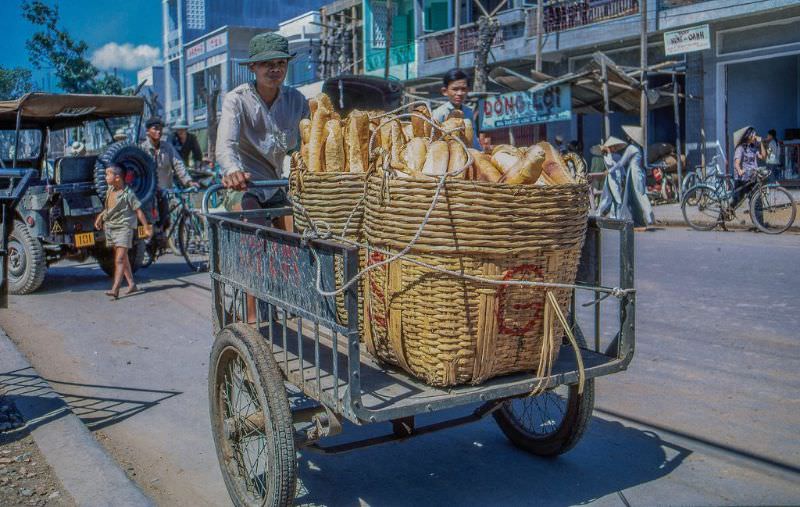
(548, 424)
(250, 420)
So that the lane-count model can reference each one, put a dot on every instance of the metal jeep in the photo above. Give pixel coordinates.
(55, 217)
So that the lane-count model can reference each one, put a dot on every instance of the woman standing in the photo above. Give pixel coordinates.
(611, 198)
(635, 203)
(749, 150)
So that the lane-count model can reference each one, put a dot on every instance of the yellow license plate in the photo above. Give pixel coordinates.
(84, 239)
(140, 232)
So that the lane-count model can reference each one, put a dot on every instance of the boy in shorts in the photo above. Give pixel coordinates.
(118, 220)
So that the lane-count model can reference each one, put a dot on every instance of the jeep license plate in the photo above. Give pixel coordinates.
(140, 232)
(84, 239)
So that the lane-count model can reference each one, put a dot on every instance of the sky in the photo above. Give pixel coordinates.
(123, 33)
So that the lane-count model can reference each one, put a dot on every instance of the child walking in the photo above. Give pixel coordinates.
(119, 222)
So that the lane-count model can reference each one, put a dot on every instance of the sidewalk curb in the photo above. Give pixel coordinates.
(673, 222)
(87, 472)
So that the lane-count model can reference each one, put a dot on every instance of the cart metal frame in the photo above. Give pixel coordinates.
(279, 269)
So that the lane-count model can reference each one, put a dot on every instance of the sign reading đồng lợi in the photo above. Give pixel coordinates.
(526, 108)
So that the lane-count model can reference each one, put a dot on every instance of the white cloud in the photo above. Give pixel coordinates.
(125, 56)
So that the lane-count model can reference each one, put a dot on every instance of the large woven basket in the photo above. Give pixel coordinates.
(333, 198)
(448, 330)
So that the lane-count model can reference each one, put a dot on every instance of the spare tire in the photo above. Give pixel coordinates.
(139, 167)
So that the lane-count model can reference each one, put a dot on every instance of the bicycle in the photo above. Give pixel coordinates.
(186, 234)
(711, 175)
(772, 208)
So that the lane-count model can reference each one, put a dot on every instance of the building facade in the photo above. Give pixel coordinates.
(195, 31)
(749, 76)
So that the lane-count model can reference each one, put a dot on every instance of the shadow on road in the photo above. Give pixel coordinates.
(477, 466)
(89, 277)
(98, 406)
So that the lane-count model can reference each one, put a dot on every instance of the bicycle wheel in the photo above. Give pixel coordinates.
(777, 211)
(706, 212)
(689, 181)
(193, 242)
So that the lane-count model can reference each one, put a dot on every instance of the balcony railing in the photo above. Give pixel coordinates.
(565, 14)
(670, 4)
(441, 44)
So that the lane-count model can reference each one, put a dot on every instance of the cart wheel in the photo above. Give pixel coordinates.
(548, 424)
(250, 419)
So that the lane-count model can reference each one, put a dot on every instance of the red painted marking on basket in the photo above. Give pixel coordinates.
(522, 272)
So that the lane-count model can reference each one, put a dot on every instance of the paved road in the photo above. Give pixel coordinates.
(708, 413)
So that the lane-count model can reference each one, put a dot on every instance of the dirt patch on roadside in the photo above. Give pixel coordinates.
(25, 477)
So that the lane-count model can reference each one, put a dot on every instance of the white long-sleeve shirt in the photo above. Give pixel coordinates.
(254, 137)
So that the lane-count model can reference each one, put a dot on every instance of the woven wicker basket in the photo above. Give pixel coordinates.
(330, 197)
(447, 330)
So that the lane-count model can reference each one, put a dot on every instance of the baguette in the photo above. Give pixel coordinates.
(483, 168)
(420, 127)
(312, 106)
(397, 142)
(527, 170)
(507, 148)
(457, 160)
(555, 170)
(414, 154)
(316, 139)
(504, 160)
(358, 141)
(436, 159)
(324, 101)
(334, 147)
(455, 126)
(469, 132)
(408, 130)
(305, 129)
(455, 113)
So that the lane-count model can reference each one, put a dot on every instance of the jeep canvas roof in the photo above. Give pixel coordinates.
(59, 111)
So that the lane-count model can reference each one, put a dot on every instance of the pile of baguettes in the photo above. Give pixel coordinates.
(418, 147)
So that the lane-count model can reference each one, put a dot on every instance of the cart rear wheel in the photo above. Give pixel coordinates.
(548, 424)
(250, 420)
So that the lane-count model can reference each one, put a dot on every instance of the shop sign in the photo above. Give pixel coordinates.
(526, 108)
(217, 41)
(195, 51)
(696, 38)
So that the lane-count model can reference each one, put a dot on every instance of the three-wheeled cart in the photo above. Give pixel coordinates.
(13, 183)
(291, 377)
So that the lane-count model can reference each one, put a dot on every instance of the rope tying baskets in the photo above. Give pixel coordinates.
(335, 199)
(450, 330)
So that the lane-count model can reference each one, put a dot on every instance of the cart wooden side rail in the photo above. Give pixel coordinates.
(301, 373)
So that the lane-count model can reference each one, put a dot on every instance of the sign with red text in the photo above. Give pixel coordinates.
(526, 108)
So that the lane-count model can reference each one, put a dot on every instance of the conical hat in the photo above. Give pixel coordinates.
(739, 134)
(613, 141)
(634, 133)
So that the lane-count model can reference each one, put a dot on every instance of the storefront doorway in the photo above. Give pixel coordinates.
(765, 93)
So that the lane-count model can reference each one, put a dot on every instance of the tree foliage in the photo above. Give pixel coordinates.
(53, 46)
(14, 83)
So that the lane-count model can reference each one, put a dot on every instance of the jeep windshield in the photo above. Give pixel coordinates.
(30, 143)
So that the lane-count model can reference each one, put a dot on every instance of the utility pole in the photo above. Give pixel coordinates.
(388, 38)
(457, 34)
(643, 63)
(539, 29)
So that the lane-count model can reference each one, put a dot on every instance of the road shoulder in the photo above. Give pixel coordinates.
(87, 472)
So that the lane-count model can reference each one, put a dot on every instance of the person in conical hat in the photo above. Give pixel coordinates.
(626, 182)
(611, 198)
(636, 205)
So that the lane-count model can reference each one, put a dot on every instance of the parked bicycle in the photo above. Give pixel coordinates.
(186, 234)
(711, 175)
(772, 208)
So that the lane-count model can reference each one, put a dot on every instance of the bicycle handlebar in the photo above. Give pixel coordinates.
(213, 189)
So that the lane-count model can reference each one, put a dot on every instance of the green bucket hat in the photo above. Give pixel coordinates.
(268, 46)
